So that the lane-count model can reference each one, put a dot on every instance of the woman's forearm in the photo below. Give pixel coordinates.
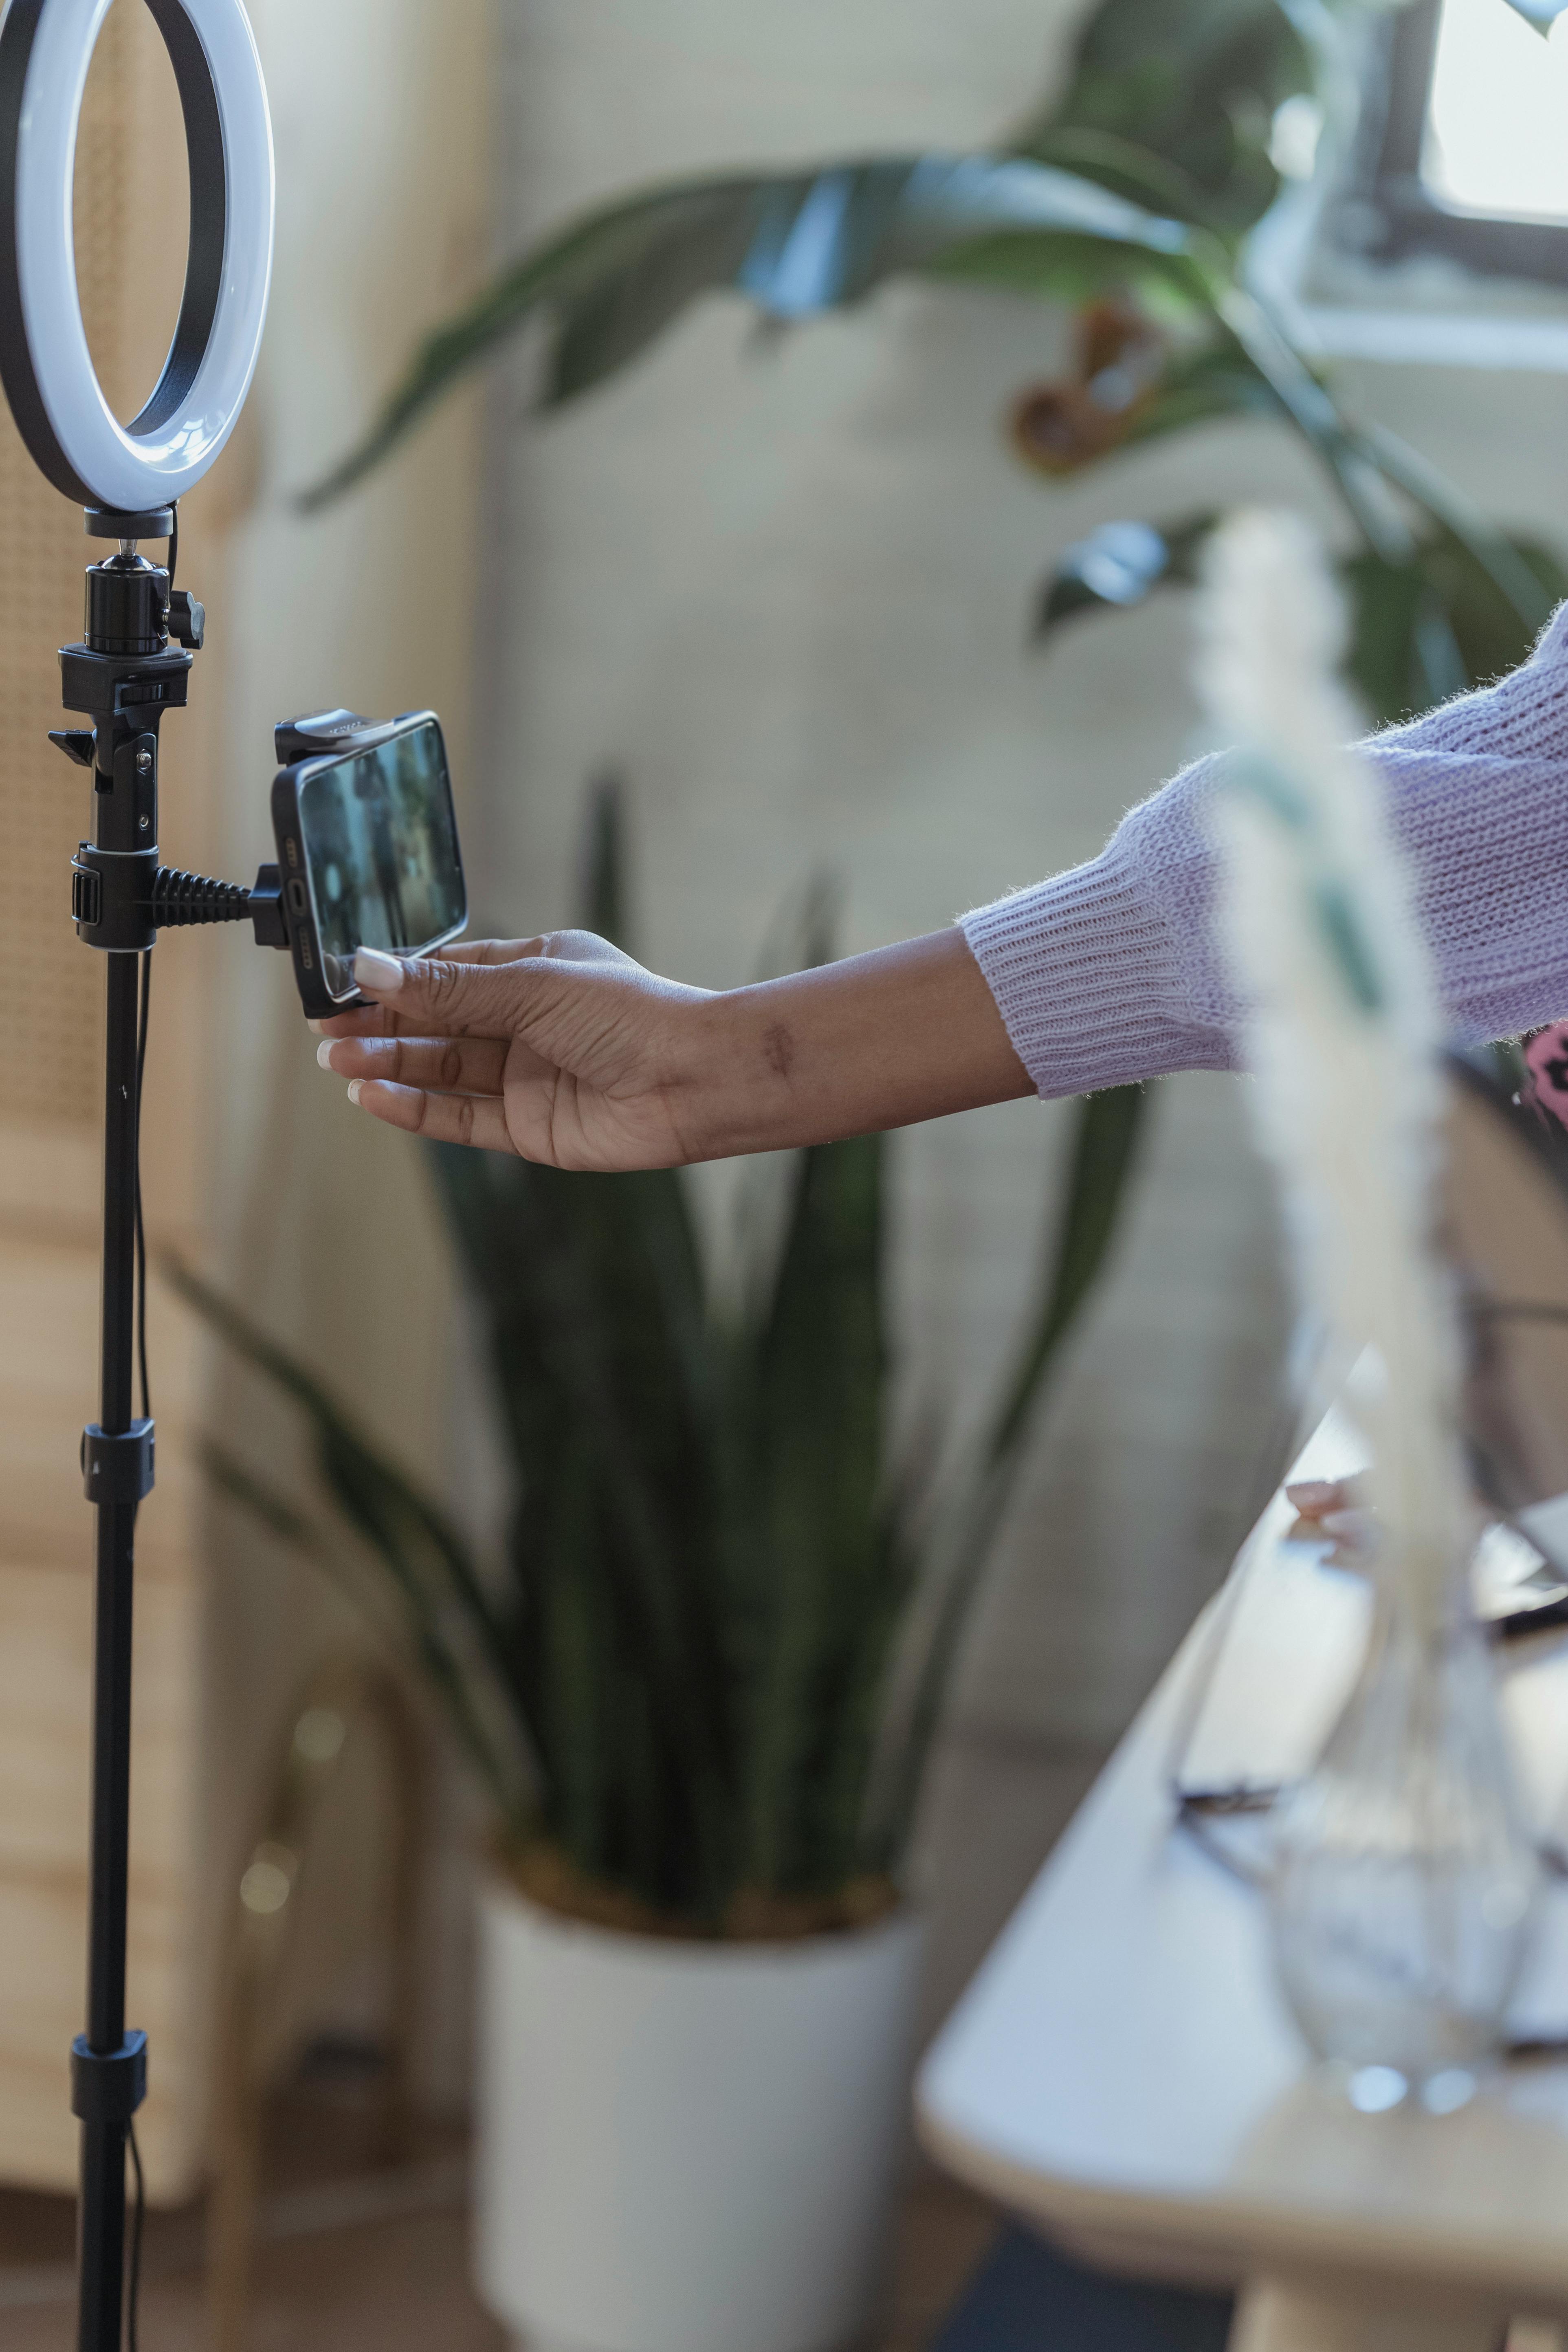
(877, 1041)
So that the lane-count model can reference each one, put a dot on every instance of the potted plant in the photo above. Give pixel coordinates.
(701, 1698)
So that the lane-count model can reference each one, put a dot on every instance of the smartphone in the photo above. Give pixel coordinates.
(367, 847)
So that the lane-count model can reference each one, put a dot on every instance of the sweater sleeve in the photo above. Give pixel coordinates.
(1111, 972)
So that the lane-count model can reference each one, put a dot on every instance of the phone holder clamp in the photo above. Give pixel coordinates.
(117, 1465)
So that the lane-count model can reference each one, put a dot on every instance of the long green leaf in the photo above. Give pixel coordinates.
(1514, 577)
(609, 1376)
(797, 245)
(604, 897)
(1398, 662)
(1110, 1128)
(1120, 566)
(373, 1491)
(816, 1473)
(590, 1289)
(571, 272)
(282, 1519)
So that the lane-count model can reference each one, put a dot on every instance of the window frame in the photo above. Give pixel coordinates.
(1408, 221)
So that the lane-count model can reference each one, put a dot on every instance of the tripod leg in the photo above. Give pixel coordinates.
(102, 2238)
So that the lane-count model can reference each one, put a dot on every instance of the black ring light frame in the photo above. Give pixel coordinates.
(204, 255)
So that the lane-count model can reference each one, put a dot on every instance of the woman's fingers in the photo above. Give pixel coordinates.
(364, 1021)
(453, 1066)
(405, 996)
(1319, 1498)
(556, 947)
(501, 1048)
(478, 1120)
(438, 996)
(393, 1012)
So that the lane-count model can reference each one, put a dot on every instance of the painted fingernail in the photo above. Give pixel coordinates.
(383, 973)
(315, 1026)
(354, 1086)
(324, 1052)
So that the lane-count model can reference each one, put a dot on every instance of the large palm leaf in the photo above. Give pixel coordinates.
(794, 244)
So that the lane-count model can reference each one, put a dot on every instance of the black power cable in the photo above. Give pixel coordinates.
(142, 1009)
(133, 2285)
(134, 2281)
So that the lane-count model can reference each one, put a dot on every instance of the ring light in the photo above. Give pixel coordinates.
(72, 435)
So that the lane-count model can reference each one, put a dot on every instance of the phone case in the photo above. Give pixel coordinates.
(337, 733)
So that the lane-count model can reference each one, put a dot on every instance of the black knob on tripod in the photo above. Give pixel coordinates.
(127, 606)
(187, 620)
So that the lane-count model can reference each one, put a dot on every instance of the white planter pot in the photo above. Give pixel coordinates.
(688, 2147)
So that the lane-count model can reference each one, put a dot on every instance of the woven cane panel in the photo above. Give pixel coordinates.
(49, 983)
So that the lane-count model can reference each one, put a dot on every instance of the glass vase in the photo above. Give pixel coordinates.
(1405, 1877)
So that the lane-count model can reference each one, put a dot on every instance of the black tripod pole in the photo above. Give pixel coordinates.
(105, 2121)
(124, 675)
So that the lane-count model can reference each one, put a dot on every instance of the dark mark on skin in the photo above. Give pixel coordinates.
(779, 1047)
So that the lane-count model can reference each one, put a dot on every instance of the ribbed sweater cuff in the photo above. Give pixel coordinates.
(1086, 978)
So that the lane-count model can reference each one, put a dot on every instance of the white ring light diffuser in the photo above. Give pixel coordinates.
(45, 363)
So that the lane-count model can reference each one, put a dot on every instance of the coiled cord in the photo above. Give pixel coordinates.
(181, 899)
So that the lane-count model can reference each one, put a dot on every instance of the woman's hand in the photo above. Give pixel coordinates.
(563, 1050)
(485, 1046)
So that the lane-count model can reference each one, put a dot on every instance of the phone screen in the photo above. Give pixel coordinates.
(380, 842)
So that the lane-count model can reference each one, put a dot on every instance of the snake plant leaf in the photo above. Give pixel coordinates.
(814, 1462)
(603, 885)
(1193, 86)
(450, 1673)
(591, 1296)
(1109, 1129)
(1120, 566)
(849, 1754)
(392, 1514)
(796, 244)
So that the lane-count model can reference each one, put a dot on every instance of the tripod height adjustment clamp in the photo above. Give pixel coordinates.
(107, 2086)
(117, 1469)
(112, 896)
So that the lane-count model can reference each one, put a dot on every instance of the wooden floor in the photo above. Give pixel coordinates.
(357, 2255)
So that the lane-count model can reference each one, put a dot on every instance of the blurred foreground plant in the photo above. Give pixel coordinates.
(704, 1690)
(1129, 197)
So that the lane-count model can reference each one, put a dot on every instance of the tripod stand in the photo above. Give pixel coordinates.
(123, 675)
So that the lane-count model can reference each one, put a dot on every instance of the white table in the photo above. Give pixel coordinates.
(1124, 2072)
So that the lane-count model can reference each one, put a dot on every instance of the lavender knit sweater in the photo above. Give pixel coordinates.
(1110, 973)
